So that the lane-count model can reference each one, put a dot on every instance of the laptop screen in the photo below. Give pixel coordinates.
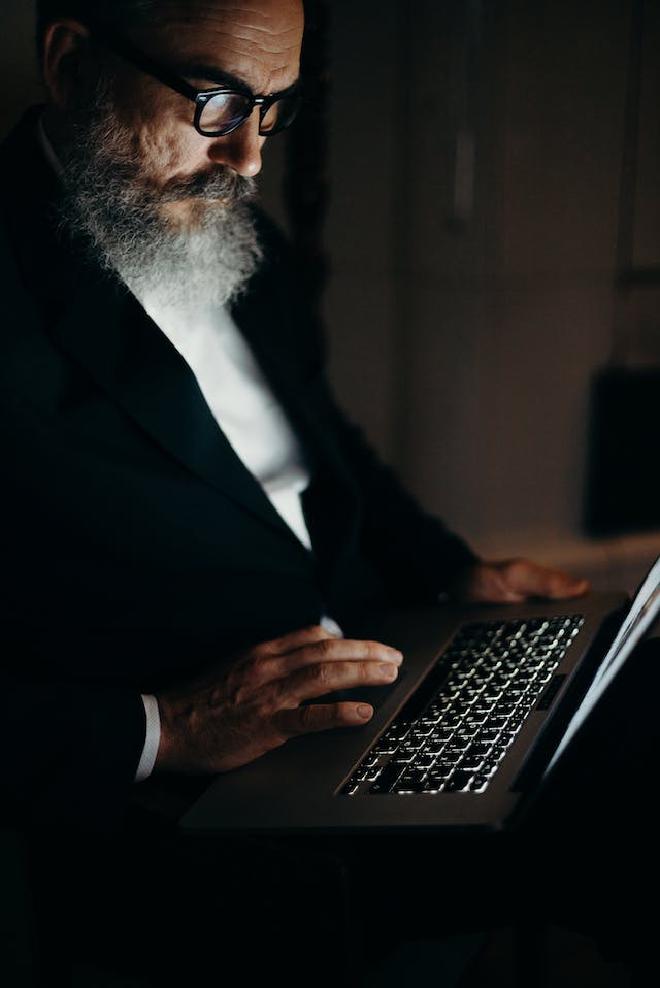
(644, 610)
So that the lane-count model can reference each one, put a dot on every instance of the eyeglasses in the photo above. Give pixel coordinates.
(218, 111)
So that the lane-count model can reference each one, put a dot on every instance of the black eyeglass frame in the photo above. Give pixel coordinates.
(200, 97)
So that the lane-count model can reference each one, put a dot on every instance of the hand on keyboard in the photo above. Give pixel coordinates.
(239, 712)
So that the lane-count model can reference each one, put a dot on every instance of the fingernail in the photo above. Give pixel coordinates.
(395, 657)
(364, 711)
(388, 670)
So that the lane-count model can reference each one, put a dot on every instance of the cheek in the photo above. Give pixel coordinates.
(170, 146)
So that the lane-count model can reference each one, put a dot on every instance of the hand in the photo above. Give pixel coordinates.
(512, 581)
(237, 714)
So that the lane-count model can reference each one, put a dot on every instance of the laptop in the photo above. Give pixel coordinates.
(487, 702)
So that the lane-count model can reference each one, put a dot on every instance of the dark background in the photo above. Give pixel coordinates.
(474, 234)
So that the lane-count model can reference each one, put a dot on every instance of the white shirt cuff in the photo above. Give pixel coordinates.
(331, 626)
(151, 738)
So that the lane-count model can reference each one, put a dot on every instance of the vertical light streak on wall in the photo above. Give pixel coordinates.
(453, 207)
(466, 100)
(625, 248)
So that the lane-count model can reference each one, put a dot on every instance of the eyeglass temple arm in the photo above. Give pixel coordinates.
(138, 58)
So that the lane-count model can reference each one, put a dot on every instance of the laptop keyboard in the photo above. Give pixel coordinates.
(454, 731)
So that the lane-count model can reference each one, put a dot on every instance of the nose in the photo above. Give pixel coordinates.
(240, 150)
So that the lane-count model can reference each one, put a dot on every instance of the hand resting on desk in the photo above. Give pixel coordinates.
(512, 581)
(237, 714)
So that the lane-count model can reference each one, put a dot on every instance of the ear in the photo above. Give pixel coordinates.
(65, 57)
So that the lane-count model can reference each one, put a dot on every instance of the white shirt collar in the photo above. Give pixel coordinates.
(48, 149)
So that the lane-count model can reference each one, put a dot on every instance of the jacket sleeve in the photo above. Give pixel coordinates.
(69, 753)
(415, 552)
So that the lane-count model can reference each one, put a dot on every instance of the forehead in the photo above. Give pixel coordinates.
(256, 40)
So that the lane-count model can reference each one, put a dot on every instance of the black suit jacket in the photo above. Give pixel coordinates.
(135, 546)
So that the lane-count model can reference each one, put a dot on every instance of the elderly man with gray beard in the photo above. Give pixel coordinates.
(190, 523)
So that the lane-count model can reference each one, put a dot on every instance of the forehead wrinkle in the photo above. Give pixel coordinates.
(246, 55)
(233, 36)
(252, 45)
(268, 30)
(242, 36)
(215, 12)
(244, 32)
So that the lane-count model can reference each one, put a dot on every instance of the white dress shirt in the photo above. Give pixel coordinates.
(240, 401)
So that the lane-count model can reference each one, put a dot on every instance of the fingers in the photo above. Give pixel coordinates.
(512, 581)
(293, 639)
(336, 650)
(561, 585)
(322, 717)
(324, 677)
(527, 579)
(312, 652)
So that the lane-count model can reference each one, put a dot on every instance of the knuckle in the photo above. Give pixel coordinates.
(277, 645)
(273, 699)
(324, 648)
(258, 656)
(307, 715)
(237, 696)
(243, 681)
(366, 671)
(260, 667)
(260, 650)
(263, 710)
(322, 674)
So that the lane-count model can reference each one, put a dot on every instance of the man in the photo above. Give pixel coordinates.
(170, 415)
(189, 520)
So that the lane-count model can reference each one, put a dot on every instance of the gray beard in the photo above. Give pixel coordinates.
(107, 202)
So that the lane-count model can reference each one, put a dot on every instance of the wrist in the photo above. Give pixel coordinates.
(461, 586)
(170, 748)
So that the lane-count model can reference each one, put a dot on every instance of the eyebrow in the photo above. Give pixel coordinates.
(200, 70)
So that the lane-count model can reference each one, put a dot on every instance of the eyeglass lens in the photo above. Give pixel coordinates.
(227, 110)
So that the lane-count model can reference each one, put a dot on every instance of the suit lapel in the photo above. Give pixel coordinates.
(107, 331)
(330, 503)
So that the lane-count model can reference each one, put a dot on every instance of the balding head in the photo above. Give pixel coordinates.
(130, 14)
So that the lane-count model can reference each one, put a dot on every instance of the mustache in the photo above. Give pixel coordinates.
(222, 184)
